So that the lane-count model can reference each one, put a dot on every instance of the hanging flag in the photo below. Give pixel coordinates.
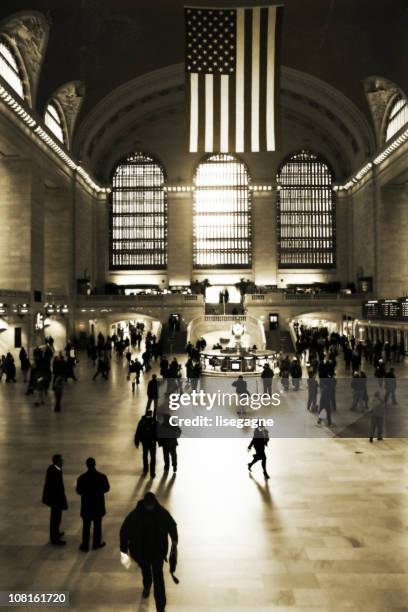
(232, 79)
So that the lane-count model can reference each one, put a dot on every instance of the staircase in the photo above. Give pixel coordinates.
(173, 341)
(278, 340)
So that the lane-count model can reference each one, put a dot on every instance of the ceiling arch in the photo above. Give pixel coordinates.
(327, 117)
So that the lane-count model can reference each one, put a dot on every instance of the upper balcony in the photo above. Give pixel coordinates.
(285, 298)
(175, 300)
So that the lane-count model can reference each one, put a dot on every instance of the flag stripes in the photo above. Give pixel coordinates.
(231, 68)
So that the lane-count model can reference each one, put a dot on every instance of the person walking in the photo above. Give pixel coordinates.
(312, 388)
(379, 372)
(390, 385)
(325, 404)
(10, 368)
(259, 442)
(296, 373)
(54, 497)
(101, 368)
(25, 363)
(241, 389)
(167, 438)
(146, 433)
(92, 486)
(144, 536)
(267, 376)
(377, 417)
(58, 387)
(153, 394)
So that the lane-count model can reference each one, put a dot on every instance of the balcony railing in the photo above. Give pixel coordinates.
(165, 299)
(284, 296)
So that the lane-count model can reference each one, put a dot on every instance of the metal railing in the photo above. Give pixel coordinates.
(155, 299)
(287, 297)
(230, 318)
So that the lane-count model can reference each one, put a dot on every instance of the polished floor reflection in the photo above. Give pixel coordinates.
(327, 532)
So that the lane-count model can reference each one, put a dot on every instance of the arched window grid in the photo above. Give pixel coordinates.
(397, 117)
(222, 229)
(138, 228)
(10, 70)
(306, 215)
(54, 122)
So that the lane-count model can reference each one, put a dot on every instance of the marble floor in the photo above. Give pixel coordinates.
(329, 531)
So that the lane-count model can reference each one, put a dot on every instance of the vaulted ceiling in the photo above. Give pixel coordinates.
(128, 54)
(109, 42)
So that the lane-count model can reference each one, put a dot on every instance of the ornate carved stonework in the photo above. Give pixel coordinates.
(30, 32)
(70, 97)
(379, 92)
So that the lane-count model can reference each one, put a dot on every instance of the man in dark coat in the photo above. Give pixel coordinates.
(146, 433)
(296, 373)
(92, 486)
(152, 394)
(241, 389)
(167, 439)
(54, 497)
(259, 442)
(144, 536)
(267, 375)
(377, 417)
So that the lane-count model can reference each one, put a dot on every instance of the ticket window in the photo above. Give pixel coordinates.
(273, 321)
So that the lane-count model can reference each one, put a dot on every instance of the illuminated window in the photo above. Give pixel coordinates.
(53, 122)
(138, 215)
(222, 214)
(9, 70)
(397, 118)
(306, 213)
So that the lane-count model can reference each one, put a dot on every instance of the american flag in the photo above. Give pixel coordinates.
(232, 78)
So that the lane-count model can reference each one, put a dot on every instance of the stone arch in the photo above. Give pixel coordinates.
(28, 32)
(309, 105)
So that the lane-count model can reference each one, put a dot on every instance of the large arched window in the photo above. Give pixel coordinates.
(53, 121)
(397, 117)
(222, 214)
(138, 215)
(306, 213)
(10, 70)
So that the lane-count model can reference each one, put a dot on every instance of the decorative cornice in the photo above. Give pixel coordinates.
(40, 131)
(399, 139)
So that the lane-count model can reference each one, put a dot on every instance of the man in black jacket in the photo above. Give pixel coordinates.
(144, 535)
(152, 394)
(267, 376)
(92, 486)
(167, 439)
(146, 433)
(259, 442)
(54, 497)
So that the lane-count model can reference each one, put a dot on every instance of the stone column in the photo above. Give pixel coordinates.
(264, 238)
(21, 227)
(180, 237)
(58, 246)
(392, 233)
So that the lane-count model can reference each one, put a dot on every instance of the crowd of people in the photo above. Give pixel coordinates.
(315, 362)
